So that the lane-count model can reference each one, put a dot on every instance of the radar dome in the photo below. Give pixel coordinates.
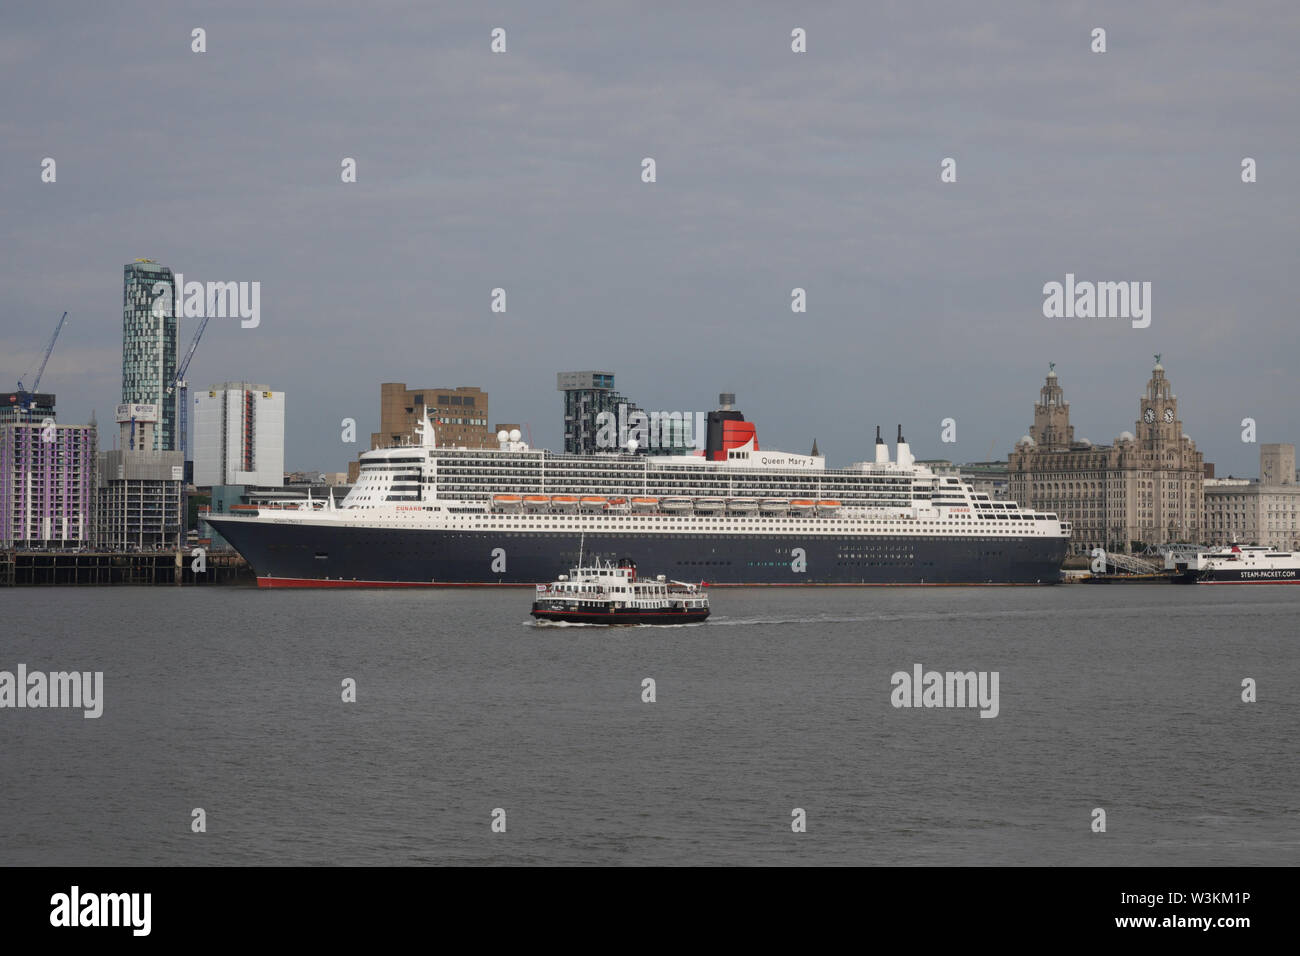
(632, 445)
(515, 434)
(503, 435)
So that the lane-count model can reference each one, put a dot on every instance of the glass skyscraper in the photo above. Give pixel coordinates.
(149, 344)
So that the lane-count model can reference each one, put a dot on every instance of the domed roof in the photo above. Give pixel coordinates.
(1025, 440)
(1126, 436)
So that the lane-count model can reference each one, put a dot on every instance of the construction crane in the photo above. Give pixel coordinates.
(36, 383)
(179, 382)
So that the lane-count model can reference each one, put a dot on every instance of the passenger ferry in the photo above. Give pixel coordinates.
(1236, 564)
(613, 594)
(425, 515)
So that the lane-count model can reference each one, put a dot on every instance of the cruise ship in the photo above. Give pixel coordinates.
(729, 514)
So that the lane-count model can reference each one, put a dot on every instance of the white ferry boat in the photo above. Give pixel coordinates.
(1236, 564)
(613, 594)
(733, 514)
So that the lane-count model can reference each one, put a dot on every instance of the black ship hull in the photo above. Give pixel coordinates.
(325, 555)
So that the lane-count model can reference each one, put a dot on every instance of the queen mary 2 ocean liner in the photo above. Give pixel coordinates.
(422, 515)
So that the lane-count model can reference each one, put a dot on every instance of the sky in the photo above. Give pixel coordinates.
(775, 170)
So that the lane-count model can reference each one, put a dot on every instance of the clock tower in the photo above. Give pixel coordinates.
(1051, 429)
(1158, 425)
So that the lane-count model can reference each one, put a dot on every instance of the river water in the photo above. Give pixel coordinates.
(1124, 699)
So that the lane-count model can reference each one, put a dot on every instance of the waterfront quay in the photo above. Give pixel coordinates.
(98, 568)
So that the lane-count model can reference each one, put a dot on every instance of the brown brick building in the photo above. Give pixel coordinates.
(461, 413)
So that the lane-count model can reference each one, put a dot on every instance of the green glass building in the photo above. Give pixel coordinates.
(149, 343)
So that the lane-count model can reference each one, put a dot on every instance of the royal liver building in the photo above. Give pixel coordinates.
(1144, 489)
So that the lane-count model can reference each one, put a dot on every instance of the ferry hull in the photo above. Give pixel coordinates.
(620, 616)
(320, 555)
(1266, 576)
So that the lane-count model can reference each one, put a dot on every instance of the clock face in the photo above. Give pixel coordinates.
(1149, 415)
(1169, 416)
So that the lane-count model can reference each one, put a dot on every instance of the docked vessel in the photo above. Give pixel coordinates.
(613, 594)
(733, 514)
(1236, 564)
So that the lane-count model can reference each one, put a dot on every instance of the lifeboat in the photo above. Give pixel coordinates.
(617, 504)
(675, 504)
(803, 505)
(828, 506)
(742, 506)
(537, 501)
(564, 502)
(507, 501)
(645, 504)
(774, 506)
(710, 504)
(592, 503)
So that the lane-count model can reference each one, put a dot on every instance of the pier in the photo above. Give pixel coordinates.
(102, 568)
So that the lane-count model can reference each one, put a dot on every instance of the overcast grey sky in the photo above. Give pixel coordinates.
(775, 170)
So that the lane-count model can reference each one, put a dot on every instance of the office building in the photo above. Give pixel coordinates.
(1264, 511)
(238, 435)
(598, 418)
(47, 484)
(141, 491)
(461, 416)
(26, 407)
(149, 344)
